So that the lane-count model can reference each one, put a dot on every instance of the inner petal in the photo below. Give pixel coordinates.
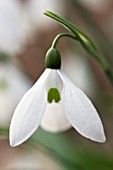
(54, 87)
(54, 119)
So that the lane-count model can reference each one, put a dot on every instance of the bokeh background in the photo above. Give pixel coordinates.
(25, 36)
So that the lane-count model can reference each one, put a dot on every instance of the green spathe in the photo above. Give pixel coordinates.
(53, 59)
(53, 94)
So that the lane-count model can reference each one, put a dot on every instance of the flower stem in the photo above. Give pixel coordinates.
(85, 41)
(55, 41)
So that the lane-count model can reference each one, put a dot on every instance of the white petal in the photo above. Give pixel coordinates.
(81, 112)
(54, 119)
(29, 112)
(54, 81)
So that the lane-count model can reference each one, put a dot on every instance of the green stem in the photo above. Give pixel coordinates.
(55, 41)
(82, 38)
(70, 26)
(86, 43)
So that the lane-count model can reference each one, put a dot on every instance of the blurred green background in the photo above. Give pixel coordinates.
(25, 36)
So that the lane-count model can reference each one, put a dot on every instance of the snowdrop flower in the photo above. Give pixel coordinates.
(55, 100)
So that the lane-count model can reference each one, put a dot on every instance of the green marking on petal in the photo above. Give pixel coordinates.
(53, 94)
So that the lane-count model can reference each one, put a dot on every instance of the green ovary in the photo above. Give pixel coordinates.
(53, 94)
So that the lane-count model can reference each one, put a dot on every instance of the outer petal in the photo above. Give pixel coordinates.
(29, 112)
(54, 119)
(80, 111)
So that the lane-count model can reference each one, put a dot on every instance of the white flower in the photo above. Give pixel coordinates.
(74, 103)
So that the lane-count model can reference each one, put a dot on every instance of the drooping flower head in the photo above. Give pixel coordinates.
(56, 104)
